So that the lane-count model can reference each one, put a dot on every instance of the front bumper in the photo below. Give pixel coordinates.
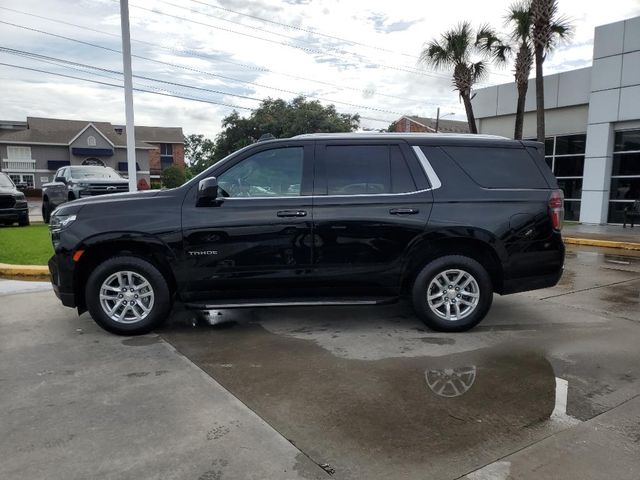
(62, 280)
(14, 214)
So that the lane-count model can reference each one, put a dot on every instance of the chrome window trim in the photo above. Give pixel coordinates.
(332, 196)
(434, 180)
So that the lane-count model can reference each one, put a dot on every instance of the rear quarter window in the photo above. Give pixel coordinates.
(495, 167)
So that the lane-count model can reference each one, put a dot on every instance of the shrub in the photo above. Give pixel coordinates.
(173, 177)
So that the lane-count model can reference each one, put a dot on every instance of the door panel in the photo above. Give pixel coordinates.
(361, 235)
(256, 242)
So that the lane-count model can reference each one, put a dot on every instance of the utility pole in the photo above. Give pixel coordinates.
(128, 96)
(437, 119)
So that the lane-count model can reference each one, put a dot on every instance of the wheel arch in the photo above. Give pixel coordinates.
(480, 247)
(99, 249)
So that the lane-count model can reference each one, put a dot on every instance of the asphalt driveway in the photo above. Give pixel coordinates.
(546, 387)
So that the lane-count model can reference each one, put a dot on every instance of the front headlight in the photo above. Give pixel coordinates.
(83, 185)
(60, 222)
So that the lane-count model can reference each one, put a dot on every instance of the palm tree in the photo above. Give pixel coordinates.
(519, 17)
(468, 55)
(547, 29)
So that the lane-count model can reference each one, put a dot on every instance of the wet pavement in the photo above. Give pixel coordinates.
(548, 386)
(372, 393)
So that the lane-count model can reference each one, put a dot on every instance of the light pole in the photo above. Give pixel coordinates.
(438, 117)
(128, 96)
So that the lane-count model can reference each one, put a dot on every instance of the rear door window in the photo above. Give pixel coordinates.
(366, 170)
(495, 167)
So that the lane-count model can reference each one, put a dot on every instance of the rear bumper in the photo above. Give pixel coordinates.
(531, 283)
(62, 280)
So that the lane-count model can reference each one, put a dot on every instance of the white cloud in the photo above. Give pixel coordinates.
(390, 34)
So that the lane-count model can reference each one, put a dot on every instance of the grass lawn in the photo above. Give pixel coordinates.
(25, 245)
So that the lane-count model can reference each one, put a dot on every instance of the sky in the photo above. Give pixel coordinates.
(362, 56)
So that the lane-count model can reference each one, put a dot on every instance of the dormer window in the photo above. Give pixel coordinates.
(91, 141)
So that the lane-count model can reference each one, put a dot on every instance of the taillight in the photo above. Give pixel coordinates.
(556, 209)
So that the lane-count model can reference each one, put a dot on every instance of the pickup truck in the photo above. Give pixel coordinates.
(71, 183)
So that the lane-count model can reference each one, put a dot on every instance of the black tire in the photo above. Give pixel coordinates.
(160, 293)
(71, 197)
(428, 275)
(24, 221)
(46, 211)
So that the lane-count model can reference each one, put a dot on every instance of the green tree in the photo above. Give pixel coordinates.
(467, 53)
(281, 119)
(548, 29)
(519, 18)
(173, 177)
(199, 152)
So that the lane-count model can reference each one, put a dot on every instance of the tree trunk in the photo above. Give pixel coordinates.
(522, 97)
(540, 92)
(466, 99)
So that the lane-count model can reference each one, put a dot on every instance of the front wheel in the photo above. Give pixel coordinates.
(128, 296)
(452, 293)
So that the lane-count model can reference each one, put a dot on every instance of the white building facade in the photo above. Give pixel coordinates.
(592, 118)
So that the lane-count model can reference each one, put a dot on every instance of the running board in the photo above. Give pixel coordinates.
(252, 303)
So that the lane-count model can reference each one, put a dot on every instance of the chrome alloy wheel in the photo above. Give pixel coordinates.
(126, 297)
(453, 294)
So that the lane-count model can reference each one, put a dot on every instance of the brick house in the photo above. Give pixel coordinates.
(32, 151)
(428, 125)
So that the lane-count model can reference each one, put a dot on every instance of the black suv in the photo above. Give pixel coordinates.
(321, 220)
(13, 204)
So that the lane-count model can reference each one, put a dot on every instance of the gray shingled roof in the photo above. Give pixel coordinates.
(445, 126)
(55, 130)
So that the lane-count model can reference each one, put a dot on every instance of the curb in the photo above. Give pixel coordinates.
(30, 271)
(591, 242)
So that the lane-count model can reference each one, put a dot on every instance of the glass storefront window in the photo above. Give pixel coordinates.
(565, 157)
(625, 174)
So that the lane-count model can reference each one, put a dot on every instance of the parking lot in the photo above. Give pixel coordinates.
(546, 387)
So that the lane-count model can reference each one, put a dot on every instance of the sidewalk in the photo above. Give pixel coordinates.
(613, 236)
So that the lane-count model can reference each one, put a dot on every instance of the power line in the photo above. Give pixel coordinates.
(166, 93)
(195, 53)
(308, 50)
(201, 71)
(306, 30)
(137, 89)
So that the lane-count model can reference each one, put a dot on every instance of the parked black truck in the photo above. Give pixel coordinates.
(13, 204)
(446, 220)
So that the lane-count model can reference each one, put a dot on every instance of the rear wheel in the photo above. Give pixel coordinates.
(452, 293)
(128, 296)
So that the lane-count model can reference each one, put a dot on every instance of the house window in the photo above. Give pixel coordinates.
(22, 178)
(19, 153)
(91, 141)
(166, 155)
(565, 157)
(625, 174)
(93, 161)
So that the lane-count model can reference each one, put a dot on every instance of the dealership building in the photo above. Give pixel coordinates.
(592, 118)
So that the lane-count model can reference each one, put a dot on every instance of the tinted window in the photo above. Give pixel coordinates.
(358, 169)
(570, 144)
(569, 166)
(627, 141)
(270, 173)
(494, 167)
(401, 179)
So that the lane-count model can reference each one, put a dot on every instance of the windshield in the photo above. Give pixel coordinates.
(5, 181)
(94, 172)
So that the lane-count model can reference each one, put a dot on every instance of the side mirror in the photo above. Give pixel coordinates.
(207, 192)
(60, 180)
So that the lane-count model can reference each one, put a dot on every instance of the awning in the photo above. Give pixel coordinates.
(92, 152)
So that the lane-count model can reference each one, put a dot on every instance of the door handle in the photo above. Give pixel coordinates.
(404, 211)
(292, 213)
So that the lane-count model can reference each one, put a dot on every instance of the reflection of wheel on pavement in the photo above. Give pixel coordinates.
(450, 382)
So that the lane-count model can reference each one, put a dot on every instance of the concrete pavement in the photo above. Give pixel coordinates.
(546, 387)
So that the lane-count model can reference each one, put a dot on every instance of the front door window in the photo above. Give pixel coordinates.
(270, 173)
